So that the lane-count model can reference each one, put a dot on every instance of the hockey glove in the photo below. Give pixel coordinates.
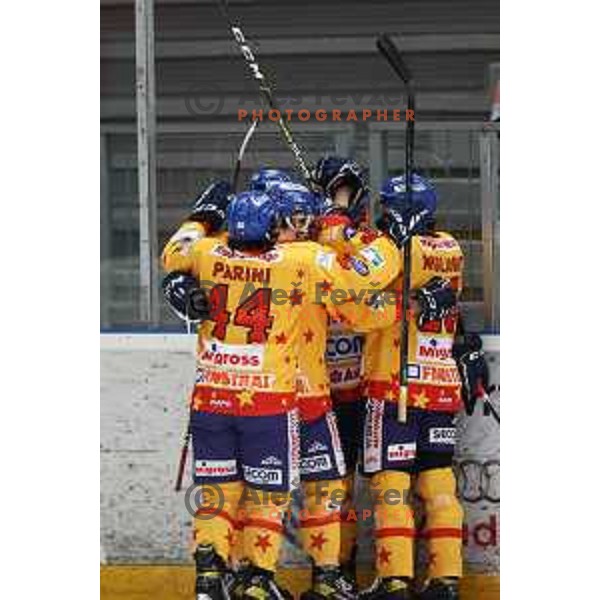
(436, 299)
(473, 369)
(210, 208)
(188, 301)
(401, 226)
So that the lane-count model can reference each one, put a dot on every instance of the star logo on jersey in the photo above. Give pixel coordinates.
(326, 286)
(397, 342)
(383, 556)
(300, 273)
(263, 542)
(308, 336)
(421, 401)
(295, 297)
(245, 398)
(318, 540)
(280, 338)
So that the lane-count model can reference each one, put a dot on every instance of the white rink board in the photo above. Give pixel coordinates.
(145, 384)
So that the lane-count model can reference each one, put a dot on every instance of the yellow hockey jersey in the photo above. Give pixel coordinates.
(345, 342)
(248, 351)
(433, 379)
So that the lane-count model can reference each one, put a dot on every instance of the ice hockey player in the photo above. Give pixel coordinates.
(343, 183)
(244, 418)
(322, 464)
(423, 445)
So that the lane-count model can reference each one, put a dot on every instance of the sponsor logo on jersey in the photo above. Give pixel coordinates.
(215, 468)
(325, 260)
(231, 379)
(315, 464)
(438, 243)
(344, 376)
(262, 476)
(271, 256)
(271, 461)
(433, 349)
(375, 260)
(336, 443)
(439, 374)
(373, 435)
(442, 435)
(401, 452)
(359, 266)
(293, 431)
(242, 358)
(344, 347)
(220, 403)
(315, 447)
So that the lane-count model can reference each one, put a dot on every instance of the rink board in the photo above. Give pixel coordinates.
(145, 382)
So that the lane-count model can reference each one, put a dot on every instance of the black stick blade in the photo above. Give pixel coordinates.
(386, 46)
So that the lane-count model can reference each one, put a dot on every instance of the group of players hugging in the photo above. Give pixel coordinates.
(297, 303)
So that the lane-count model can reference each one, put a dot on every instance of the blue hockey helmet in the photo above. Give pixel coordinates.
(423, 195)
(265, 178)
(294, 198)
(252, 217)
(297, 206)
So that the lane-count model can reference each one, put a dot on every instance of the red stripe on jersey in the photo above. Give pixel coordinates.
(244, 403)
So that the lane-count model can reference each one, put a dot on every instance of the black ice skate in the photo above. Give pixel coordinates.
(440, 589)
(210, 575)
(331, 584)
(260, 585)
(386, 588)
(238, 580)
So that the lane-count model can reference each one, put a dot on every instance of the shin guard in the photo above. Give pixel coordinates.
(320, 521)
(263, 526)
(349, 525)
(215, 525)
(444, 520)
(394, 524)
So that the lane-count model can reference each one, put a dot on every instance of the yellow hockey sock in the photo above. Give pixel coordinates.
(263, 526)
(216, 518)
(349, 525)
(394, 524)
(444, 514)
(320, 521)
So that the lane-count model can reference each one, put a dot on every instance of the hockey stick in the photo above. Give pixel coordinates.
(238, 163)
(391, 54)
(187, 437)
(265, 89)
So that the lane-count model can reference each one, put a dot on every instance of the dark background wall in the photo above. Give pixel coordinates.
(318, 54)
